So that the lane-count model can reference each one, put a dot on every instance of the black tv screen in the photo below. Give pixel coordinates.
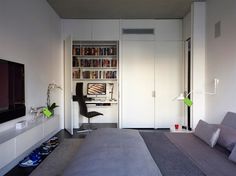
(12, 90)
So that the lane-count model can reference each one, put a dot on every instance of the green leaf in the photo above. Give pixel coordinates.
(52, 107)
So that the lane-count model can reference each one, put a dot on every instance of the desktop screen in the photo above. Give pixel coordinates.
(96, 89)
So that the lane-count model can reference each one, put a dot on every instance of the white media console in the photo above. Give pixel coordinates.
(16, 144)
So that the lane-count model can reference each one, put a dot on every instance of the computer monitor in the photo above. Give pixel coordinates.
(96, 89)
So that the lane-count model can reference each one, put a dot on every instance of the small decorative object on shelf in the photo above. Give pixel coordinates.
(176, 126)
(49, 110)
(21, 124)
(46, 112)
(111, 85)
(36, 112)
(178, 129)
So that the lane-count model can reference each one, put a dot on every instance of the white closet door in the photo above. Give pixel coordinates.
(67, 86)
(169, 84)
(137, 84)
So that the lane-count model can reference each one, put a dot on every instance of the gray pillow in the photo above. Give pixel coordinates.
(209, 133)
(227, 137)
(230, 120)
(232, 156)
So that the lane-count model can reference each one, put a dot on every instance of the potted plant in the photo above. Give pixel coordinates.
(49, 111)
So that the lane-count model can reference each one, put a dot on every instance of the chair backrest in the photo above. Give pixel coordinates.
(80, 97)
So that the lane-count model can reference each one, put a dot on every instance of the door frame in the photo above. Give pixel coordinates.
(188, 72)
(68, 116)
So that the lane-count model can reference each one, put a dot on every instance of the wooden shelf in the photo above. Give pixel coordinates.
(99, 68)
(95, 56)
(179, 130)
(77, 80)
(13, 132)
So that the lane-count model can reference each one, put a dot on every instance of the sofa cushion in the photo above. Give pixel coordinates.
(232, 156)
(209, 133)
(227, 137)
(230, 120)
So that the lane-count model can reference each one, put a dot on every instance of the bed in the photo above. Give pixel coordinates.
(123, 152)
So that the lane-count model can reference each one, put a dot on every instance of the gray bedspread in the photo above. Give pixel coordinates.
(113, 152)
(211, 161)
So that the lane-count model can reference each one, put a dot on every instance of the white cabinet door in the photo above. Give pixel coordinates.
(28, 139)
(137, 67)
(7, 153)
(105, 30)
(51, 126)
(91, 29)
(78, 29)
(68, 85)
(169, 84)
(169, 30)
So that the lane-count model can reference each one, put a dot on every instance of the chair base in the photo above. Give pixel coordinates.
(83, 131)
(86, 128)
(89, 126)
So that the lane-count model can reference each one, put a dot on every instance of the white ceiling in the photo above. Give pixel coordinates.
(120, 9)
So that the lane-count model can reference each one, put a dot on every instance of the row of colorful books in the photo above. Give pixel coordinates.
(94, 74)
(94, 62)
(94, 51)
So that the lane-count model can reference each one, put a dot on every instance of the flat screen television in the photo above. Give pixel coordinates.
(96, 89)
(12, 90)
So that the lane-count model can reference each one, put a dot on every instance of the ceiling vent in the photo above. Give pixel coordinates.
(139, 31)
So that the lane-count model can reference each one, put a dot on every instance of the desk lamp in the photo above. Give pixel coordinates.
(185, 97)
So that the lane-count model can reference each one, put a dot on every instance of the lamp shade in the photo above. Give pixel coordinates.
(180, 97)
(188, 102)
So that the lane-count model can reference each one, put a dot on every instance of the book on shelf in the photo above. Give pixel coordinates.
(86, 74)
(75, 62)
(106, 63)
(114, 63)
(91, 74)
(109, 74)
(76, 74)
(96, 63)
(76, 50)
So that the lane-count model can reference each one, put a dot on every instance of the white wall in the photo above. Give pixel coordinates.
(187, 26)
(30, 34)
(221, 59)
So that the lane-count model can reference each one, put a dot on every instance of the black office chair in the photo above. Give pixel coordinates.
(83, 107)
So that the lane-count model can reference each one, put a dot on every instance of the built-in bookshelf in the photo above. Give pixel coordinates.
(95, 60)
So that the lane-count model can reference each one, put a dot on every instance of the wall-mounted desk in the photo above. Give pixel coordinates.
(100, 103)
(107, 107)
